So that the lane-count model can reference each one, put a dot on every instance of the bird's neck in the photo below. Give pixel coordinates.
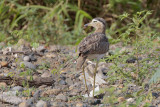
(100, 30)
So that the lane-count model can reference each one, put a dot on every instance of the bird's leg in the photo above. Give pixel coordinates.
(85, 81)
(95, 76)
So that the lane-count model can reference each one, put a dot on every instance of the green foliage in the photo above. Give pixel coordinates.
(36, 22)
(143, 51)
(60, 22)
(28, 73)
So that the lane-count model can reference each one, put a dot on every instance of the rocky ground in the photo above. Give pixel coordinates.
(45, 76)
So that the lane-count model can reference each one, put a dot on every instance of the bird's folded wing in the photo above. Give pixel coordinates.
(96, 43)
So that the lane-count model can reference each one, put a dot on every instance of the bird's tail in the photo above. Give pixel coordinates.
(80, 62)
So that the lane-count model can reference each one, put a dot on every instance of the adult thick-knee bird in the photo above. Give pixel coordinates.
(94, 46)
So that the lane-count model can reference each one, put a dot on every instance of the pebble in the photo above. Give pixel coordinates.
(46, 74)
(30, 101)
(130, 100)
(3, 85)
(121, 99)
(93, 101)
(41, 49)
(26, 58)
(36, 95)
(51, 92)
(61, 97)
(62, 82)
(17, 88)
(32, 57)
(80, 104)
(28, 65)
(69, 81)
(156, 95)
(54, 104)
(4, 64)
(14, 64)
(41, 103)
(23, 104)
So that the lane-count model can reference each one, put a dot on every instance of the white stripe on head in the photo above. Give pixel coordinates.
(95, 20)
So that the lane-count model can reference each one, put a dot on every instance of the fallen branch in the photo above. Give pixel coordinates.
(49, 81)
(21, 52)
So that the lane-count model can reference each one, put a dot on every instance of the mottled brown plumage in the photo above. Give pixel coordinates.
(93, 46)
(95, 43)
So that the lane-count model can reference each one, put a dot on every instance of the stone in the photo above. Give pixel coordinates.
(26, 58)
(28, 65)
(30, 101)
(40, 71)
(6, 71)
(17, 88)
(62, 82)
(101, 105)
(4, 64)
(130, 100)
(41, 103)
(46, 74)
(121, 99)
(79, 104)
(32, 57)
(93, 101)
(51, 92)
(156, 95)
(41, 49)
(14, 64)
(3, 85)
(69, 81)
(36, 95)
(61, 97)
(54, 104)
(23, 104)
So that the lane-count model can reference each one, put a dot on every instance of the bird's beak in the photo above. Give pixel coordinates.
(86, 25)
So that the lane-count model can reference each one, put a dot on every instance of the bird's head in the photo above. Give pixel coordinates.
(98, 23)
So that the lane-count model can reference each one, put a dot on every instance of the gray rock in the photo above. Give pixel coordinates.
(17, 88)
(41, 49)
(154, 94)
(59, 104)
(28, 65)
(69, 81)
(101, 105)
(37, 94)
(41, 103)
(46, 74)
(10, 97)
(30, 102)
(93, 101)
(54, 104)
(62, 82)
(130, 100)
(61, 97)
(79, 104)
(32, 57)
(26, 58)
